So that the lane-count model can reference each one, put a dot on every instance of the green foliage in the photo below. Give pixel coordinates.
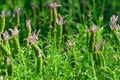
(78, 40)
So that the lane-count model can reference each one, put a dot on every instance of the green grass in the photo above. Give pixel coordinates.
(71, 53)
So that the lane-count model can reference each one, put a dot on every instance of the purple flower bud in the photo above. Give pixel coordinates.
(112, 26)
(6, 36)
(14, 32)
(59, 20)
(94, 28)
(114, 19)
(28, 24)
(33, 38)
(53, 5)
(3, 13)
(18, 11)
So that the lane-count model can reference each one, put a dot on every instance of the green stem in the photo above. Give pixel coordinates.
(92, 42)
(39, 54)
(116, 37)
(7, 54)
(4, 49)
(102, 59)
(6, 43)
(18, 17)
(29, 30)
(60, 36)
(16, 46)
(9, 70)
(87, 40)
(38, 50)
(50, 24)
(92, 62)
(2, 24)
(54, 24)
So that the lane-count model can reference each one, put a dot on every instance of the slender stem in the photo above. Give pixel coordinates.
(16, 45)
(92, 42)
(92, 62)
(2, 23)
(54, 23)
(60, 36)
(39, 54)
(50, 23)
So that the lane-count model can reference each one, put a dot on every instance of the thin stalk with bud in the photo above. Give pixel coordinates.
(15, 40)
(17, 16)
(60, 27)
(39, 53)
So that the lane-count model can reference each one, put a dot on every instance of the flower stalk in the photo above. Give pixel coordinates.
(114, 29)
(60, 28)
(15, 40)
(28, 25)
(2, 22)
(39, 53)
(92, 39)
(6, 37)
(53, 19)
(50, 23)
(17, 17)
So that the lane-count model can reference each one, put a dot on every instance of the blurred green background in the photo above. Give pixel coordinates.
(75, 12)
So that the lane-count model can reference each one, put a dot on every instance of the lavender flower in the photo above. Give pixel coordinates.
(6, 36)
(14, 32)
(3, 13)
(59, 20)
(112, 26)
(18, 11)
(70, 44)
(113, 21)
(28, 24)
(94, 28)
(53, 5)
(33, 38)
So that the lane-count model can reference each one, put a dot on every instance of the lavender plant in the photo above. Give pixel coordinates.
(70, 52)
(28, 25)
(53, 19)
(2, 22)
(38, 52)
(60, 29)
(114, 28)
(17, 16)
(15, 40)
(92, 38)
